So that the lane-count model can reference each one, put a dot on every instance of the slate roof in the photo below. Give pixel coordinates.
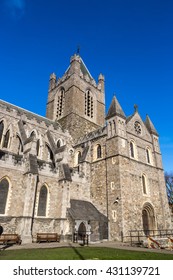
(84, 69)
(29, 114)
(93, 135)
(150, 126)
(84, 210)
(115, 109)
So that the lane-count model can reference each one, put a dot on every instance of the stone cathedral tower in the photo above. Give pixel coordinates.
(76, 101)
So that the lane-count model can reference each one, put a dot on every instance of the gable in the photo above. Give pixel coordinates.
(136, 127)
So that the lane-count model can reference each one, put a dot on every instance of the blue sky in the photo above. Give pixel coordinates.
(129, 41)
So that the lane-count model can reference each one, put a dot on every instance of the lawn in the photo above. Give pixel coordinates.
(81, 253)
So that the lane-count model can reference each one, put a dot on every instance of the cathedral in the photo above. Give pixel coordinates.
(78, 170)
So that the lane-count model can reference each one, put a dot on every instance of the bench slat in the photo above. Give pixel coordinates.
(48, 237)
(10, 238)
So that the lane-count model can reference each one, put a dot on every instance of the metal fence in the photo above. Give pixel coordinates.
(136, 237)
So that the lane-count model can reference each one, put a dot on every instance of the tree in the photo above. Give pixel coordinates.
(169, 188)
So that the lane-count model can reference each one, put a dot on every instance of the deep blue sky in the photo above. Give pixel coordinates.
(129, 41)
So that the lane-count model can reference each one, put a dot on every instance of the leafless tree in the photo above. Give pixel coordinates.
(169, 188)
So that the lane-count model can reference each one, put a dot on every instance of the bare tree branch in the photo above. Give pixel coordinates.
(169, 188)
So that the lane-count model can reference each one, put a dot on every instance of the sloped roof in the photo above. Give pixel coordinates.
(84, 210)
(115, 109)
(20, 111)
(84, 69)
(100, 132)
(150, 126)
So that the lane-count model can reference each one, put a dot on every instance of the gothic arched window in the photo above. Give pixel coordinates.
(20, 145)
(60, 103)
(144, 186)
(6, 139)
(78, 157)
(58, 143)
(89, 104)
(4, 188)
(38, 147)
(33, 134)
(1, 130)
(148, 155)
(99, 151)
(132, 149)
(42, 204)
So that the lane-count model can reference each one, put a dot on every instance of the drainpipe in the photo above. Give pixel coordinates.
(107, 198)
(35, 195)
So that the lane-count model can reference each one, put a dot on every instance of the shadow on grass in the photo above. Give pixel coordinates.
(6, 247)
(77, 252)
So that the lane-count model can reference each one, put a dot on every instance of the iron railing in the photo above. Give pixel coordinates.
(138, 236)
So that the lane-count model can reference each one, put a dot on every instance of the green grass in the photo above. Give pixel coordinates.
(81, 253)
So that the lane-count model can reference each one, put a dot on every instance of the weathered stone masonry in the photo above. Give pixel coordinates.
(79, 171)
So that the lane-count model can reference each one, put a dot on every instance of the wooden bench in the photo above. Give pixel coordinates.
(10, 238)
(48, 237)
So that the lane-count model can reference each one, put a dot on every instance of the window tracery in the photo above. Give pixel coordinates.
(60, 103)
(138, 128)
(89, 110)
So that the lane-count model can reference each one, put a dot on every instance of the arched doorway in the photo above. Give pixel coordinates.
(148, 218)
(81, 231)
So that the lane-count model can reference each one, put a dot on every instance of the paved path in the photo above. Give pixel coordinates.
(108, 244)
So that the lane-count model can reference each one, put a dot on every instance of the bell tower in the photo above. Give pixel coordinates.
(76, 101)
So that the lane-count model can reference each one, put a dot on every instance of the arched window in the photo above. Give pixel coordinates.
(113, 127)
(110, 128)
(78, 157)
(89, 104)
(33, 134)
(1, 130)
(99, 151)
(42, 204)
(132, 149)
(4, 189)
(144, 186)
(6, 139)
(148, 155)
(38, 147)
(20, 145)
(60, 103)
(58, 143)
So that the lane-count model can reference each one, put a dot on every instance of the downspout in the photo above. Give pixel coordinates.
(107, 199)
(35, 195)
